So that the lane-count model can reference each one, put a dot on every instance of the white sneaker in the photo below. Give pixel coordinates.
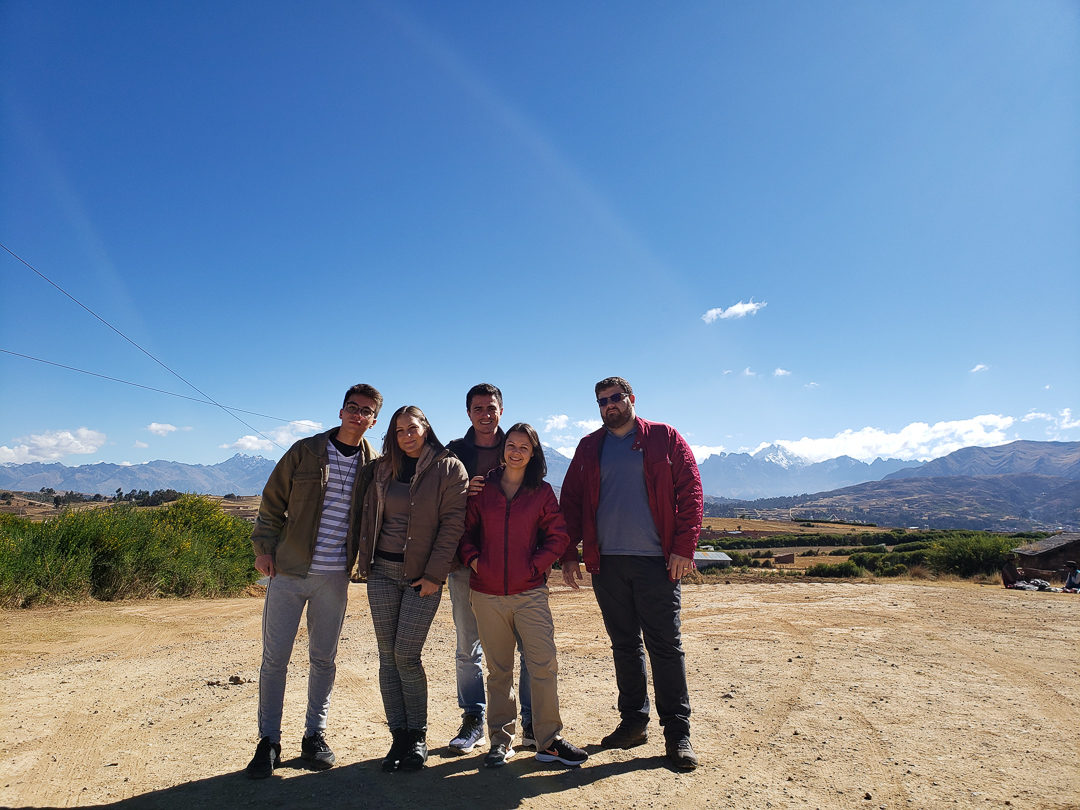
(470, 735)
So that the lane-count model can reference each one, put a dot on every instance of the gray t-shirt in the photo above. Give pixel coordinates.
(623, 520)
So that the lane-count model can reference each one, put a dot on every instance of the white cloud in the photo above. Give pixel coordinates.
(1046, 387)
(979, 367)
(141, 445)
(567, 450)
(1033, 415)
(52, 446)
(811, 384)
(748, 373)
(703, 451)
(739, 310)
(1066, 421)
(559, 421)
(161, 428)
(781, 372)
(281, 436)
(918, 440)
(727, 371)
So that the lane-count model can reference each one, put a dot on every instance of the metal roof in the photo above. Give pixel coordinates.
(1049, 543)
(715, 556)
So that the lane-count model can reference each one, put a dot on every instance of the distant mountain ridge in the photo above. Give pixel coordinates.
(240, 475)
(1019, 486)
(775, 471)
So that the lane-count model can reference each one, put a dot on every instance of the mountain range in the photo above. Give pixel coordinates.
(240, 475)
(1013, 487)
(1020, 486)
(774, 471)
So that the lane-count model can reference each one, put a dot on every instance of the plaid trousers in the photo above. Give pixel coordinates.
(402, 619)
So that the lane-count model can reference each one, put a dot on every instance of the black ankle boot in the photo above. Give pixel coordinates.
(397, 749)
(415, 754)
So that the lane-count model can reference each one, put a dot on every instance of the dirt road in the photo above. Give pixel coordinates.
(825, 695)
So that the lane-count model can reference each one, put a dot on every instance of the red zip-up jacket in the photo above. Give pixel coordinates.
(514, 542)
(671, 481)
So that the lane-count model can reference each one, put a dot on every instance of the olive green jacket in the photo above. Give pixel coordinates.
(437, 496)
(292, 502)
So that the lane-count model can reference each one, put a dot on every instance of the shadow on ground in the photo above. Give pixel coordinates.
(447, 782)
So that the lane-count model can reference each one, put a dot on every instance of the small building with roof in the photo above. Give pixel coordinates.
(711, 559)
(1050, 554)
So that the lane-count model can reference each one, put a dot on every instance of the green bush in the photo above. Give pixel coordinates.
(969, 553)
(844, 569)
(897, 570)
(188, 548)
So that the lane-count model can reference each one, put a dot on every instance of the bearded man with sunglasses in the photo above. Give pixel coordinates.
(632, 497)
(304, 540)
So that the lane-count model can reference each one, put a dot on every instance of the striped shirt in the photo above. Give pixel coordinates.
(330, 556)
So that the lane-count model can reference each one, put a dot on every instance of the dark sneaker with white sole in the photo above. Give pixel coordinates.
(498, 756)
(267, 757)
(470, 735)
(564, 752)
(528, 739)
(316, 753)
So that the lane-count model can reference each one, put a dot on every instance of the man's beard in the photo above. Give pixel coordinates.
(616, 420)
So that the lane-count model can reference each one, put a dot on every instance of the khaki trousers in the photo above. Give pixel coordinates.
(497, 619)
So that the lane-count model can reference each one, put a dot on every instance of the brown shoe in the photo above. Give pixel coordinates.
(681, 754)
(627, 734)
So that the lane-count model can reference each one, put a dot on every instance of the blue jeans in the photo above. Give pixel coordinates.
(470, 654)
(638, 599)
(325, 597)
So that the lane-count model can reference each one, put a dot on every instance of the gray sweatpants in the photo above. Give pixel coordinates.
(325, 596)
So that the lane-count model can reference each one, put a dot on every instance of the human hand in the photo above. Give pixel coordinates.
(264, 564)
(426, 586)
(571, 573)
(476, 485)
(678, 567)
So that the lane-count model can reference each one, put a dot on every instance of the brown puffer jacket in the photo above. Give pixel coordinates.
(436, 513)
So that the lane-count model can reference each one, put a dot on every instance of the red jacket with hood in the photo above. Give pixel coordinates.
(514, 542)
(671, 481)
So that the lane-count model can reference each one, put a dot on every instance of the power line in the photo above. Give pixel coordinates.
(186, 382)
(140, 385)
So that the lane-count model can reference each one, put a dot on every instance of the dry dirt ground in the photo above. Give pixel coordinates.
(861, 695)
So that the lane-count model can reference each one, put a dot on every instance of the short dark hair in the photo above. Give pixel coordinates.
(390, 447)
(483, 390)
(537, 466)
(608, 382)
(364, 390)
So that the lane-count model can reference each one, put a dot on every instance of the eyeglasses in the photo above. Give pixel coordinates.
(619, 397)
(355, 409)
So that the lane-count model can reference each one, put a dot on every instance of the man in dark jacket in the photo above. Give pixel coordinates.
(632, 496)
(304, 541)
(480, 451)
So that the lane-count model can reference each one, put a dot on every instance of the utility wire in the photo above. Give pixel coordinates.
(186, 382)
(140, 385)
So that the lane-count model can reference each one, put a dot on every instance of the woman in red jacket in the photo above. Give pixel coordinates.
(514, 531)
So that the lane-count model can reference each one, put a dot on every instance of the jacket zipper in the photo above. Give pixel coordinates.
(506, 550)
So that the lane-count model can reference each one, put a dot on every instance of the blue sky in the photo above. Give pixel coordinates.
(849, 227)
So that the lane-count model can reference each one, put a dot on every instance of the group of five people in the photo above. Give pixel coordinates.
(477, 515)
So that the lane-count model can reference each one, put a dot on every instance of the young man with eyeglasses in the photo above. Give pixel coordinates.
(632, 496)
(303, 541)
(480, 451)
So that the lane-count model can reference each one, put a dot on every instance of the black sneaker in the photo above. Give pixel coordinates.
(267, 757)
(470, 735)
(564, 752)
(681, 754)
(498, 756)
(316, 753)
(528, 739)
(627, 734)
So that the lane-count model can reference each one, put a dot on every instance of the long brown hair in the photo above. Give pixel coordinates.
(390, 448)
